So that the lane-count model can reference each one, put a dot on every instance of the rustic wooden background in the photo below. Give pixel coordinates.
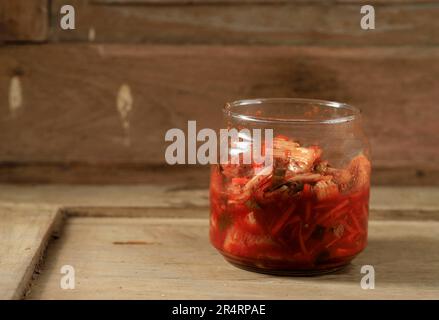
(169, 61)
(92, 105)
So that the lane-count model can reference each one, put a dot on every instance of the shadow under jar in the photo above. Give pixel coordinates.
(307, 212)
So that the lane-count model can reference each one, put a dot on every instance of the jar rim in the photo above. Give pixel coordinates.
(230, 110)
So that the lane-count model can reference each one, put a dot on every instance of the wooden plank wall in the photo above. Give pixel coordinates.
(24, 20)
(181, 60)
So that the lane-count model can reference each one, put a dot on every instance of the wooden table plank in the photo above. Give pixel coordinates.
(182, 196)
(104, 196)
(24, 233)
(172, 259)
(170, 222)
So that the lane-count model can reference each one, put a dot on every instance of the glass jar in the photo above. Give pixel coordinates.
(307, 211)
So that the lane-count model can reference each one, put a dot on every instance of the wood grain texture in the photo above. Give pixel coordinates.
(69, 113)
(114, 237)
(250, 22)
(24, 233)
(176, 261)
(181, 196)
(24, 20)
(132, 196)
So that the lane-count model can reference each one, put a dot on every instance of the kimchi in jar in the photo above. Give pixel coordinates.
(307, 211)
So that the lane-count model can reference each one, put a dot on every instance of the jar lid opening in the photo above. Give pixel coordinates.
(291, 110)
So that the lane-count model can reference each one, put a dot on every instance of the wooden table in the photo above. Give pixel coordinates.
(151, 242)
